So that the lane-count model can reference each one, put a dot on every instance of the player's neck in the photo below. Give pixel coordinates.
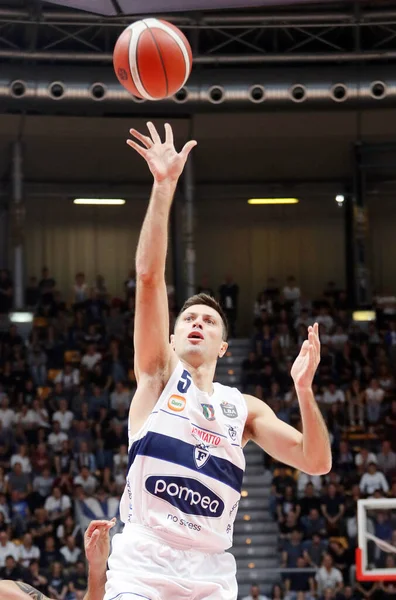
(202, 375)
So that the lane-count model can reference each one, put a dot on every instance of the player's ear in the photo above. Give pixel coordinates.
(172, 341)
(223, 349)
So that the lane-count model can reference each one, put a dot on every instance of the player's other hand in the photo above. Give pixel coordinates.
(97, 543)
(164, 162)
(306, 363)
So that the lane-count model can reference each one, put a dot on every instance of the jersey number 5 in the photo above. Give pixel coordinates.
(184, 382)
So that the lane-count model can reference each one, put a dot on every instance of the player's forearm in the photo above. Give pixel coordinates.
(315, 438)
(96, 584)
(153, 241)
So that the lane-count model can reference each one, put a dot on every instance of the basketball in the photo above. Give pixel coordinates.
(152, 59)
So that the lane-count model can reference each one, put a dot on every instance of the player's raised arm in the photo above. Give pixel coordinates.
(310, 450)
(152, 350)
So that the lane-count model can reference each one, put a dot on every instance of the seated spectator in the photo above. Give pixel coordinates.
(292, 550)
(69, 377)
(333, 394)
(27, 551)
(86, 480)
(386, 459)
(78, 581)
(91, 358)
(12, 570)
(255, 593)
(374, 396)
(40, 527)
(57, 581)
(18, 481)
(344, 462)
(42, 484)
(333, 509)
(7, 548)
(313, 523)
(304, 479)
(363, 458)
(314, 550)
(63, 416)
(84, 458)
(49, 554)
(70, 553)
(57, 505)
(300, 582)
(328, 577)
(309, 500)
(7, 414)
(69, 527)
(120, 396)
(22, 458)
(286, 503)
(355, 397)
(372, 481)
(36, 579)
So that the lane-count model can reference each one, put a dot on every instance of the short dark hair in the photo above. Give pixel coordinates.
(206, 300)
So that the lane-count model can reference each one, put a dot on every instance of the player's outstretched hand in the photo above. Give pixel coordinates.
(306, 363)
(97, 543)
(163, 160)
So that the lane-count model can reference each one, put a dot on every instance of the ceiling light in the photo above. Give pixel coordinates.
(100, 201)
(273, 201)
(364, 316)
(340, 199)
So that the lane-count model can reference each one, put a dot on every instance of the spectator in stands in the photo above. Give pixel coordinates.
(313, 523)
(27, 551)
(255, 593)
(57, 582)
(57, 505)
(12, 570)
(291, 293)
(374, 396)
(70, 553)
(7, 548)
(314, 550)
(328, 577)
(355, 397)
(300, 582)
(386, 459)
(373, 480)
(363, 458)
(292, 550)
(333, 509)
(63, 416)
(78, 581)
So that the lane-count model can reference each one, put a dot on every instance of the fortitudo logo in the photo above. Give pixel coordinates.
(188, 495)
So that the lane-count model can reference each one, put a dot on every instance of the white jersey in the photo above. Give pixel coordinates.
(186, 465)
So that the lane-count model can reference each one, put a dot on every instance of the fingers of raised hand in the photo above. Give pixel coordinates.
(168, 134)
(187, 149)
(146, 141)
(154, 133)
(139, 149)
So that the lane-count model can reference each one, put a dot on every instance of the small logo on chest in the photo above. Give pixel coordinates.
(208, 412)
(177, 403)
(201, 456)
(229, 410)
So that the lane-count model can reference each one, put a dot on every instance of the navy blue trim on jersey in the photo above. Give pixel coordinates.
(173, 450)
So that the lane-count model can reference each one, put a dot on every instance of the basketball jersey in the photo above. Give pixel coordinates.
(186, 465)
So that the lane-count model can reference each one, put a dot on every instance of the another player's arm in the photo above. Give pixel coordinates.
(97, 548)
(153, 357)
(310, 450)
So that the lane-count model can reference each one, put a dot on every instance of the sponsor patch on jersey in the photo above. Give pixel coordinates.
(232, 432)
(208, 412)
(201, 456)
(188, 495)
(208, 438)
(229, 410)
(177, 403)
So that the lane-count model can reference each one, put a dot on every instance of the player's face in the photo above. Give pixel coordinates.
(198, 335)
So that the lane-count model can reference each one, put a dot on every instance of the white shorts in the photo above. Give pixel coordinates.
(144, 567)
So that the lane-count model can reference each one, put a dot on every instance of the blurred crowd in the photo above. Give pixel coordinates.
(65, 389)
(355, 390)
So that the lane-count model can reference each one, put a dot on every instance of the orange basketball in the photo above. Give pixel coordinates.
(152, 59)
